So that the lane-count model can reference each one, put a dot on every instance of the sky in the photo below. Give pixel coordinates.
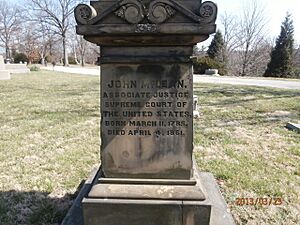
(275, 13)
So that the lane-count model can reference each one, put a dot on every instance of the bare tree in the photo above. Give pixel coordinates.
(229, 25)
(36, 40)
(82, 47)
(296, 57)
(10, 16)
(46, 40)
(57, 14)
(87, 52)
(92, 54)
(246, 49)
(199, 51)
(28, 42)
(251, 34)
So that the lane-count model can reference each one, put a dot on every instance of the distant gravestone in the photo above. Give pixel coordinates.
(147, 176)
(2, 65)
(195, 107)
(213, 72)
(293, 126)
(17, 68)
(4, 74)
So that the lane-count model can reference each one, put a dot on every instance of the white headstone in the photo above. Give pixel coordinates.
(4, 74)
(2, 66)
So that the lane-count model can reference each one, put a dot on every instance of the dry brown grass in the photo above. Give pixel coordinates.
(49, 142)
(241, 138)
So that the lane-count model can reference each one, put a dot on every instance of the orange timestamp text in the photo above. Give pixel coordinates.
(258, 201)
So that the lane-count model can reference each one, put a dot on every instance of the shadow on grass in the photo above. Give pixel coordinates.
(229, 90)
(237, 95)
(34, 207)
(255, 120)
(85, 113)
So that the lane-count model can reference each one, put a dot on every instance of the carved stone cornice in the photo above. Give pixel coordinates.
(159, 11)
(135, 22)
(131, 10)
(134, 11)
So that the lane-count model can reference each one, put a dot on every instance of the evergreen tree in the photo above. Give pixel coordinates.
(216, 49)
(281, 63)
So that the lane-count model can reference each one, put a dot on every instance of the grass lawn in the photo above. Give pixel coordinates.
(49, 142)
(240, 138)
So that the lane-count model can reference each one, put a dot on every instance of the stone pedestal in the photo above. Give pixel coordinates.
(111, 210)
(147, 202)
(147, 175)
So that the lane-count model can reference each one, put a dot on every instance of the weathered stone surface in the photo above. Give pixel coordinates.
(147, 119)
(142, 54)
(146, 111)
(191, 212)
(147, 191)
(146, 82)
(131, 212)
(125, 204)
(156, 22)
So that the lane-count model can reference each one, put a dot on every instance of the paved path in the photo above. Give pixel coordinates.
(197, 78)
(248, 81)
(75, 69)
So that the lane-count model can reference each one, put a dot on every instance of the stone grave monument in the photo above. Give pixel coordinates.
(4, 74)
(147, 174)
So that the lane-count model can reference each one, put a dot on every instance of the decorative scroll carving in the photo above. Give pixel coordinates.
(84, 13)
(208, 11)
(132, 12)
(159, 12)
(146, 28)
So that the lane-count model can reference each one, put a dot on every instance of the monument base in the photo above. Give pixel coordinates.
(147, 210)
(4, 75)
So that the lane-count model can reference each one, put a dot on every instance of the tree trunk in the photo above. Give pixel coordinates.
(65, 60)
(82, 61)
(75, 55)
(245, 60)
(43, 61)
(7, 52)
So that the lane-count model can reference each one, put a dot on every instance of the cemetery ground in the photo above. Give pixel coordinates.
(49, 142)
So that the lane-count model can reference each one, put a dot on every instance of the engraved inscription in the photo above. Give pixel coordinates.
(135, 89)
(147, 113)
